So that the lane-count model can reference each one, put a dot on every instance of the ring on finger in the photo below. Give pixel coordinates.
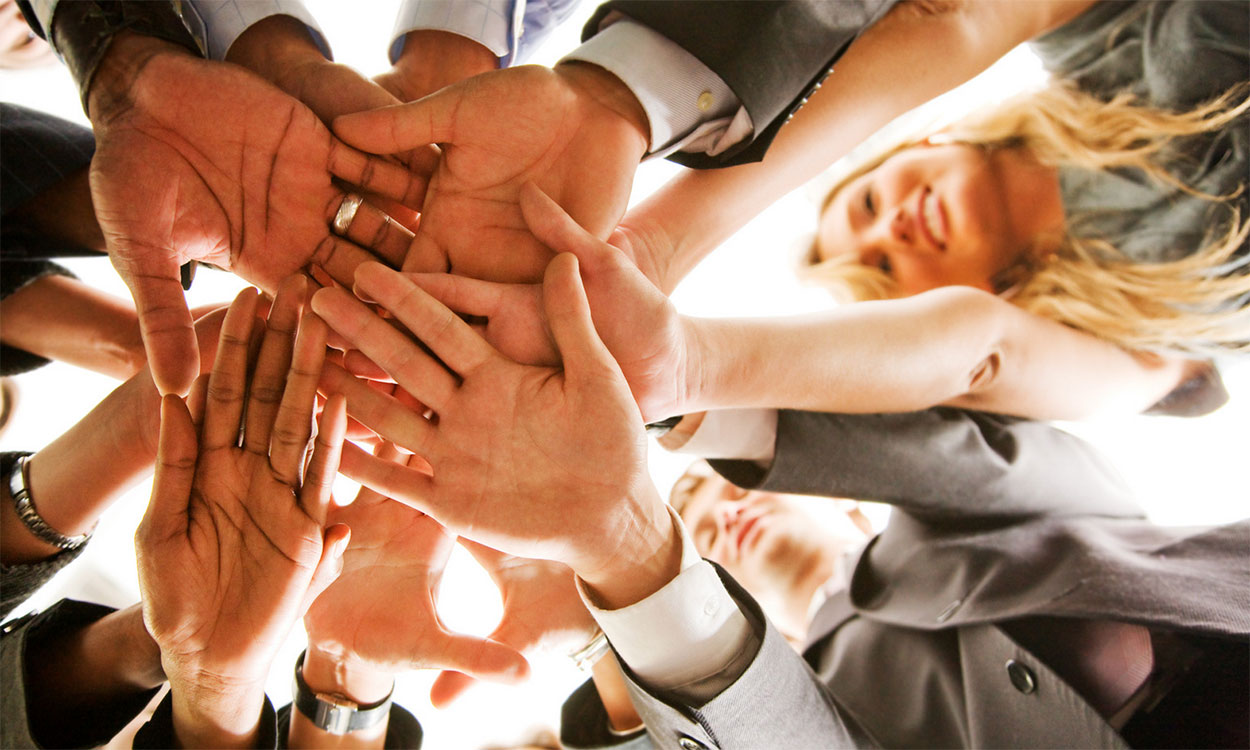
(347, 212)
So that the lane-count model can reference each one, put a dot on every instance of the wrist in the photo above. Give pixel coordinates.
(210, 713)
(595, 84)
(359, 681)
(641, 564)
(433, 58)
(278, 48)
(113, 88)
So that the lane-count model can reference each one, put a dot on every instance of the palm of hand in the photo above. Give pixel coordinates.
(381, 609)
(517, 126)
(262, 587)
(240, 181)
(541, 607)
(519, 441)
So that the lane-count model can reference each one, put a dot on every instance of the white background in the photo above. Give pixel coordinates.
(1187, 471)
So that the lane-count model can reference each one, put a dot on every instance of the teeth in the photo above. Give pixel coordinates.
(933, 218)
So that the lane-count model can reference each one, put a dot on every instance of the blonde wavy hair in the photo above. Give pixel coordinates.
(1198, 304)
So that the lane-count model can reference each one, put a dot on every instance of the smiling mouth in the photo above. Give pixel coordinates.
(932, 219)
(743, 531)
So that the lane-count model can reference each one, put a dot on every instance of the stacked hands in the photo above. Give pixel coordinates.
(500, 375)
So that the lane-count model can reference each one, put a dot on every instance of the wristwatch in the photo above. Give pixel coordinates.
(334, 713)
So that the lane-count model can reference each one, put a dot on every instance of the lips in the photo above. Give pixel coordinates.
(743, 530)
(931, 218)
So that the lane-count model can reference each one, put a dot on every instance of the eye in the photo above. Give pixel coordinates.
(704, 534)
(870, 205)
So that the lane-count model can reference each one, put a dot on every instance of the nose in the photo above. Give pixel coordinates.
(902, 228)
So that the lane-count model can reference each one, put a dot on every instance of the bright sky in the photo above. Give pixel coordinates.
(1187, 471)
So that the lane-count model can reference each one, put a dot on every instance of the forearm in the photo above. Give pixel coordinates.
(215, 716)
(952, 346)
(361, 683)
(76, 477)
(276, 49)
(63, 319)
(433, 59)
(64, 212)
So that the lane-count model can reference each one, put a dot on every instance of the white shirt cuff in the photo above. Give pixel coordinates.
(491, 23)
(44, 9)
(678, 92)
(689, 630)
(744, 434)
(226, 20)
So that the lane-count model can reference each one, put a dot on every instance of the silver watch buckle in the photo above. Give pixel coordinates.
(334, 713)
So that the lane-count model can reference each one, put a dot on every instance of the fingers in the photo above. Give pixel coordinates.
(315, 493)
(293, 423)
(269, 375)
(378, 411)
(340, 258)
(479, 658)
(166, 326)
(568, 314)
(372, 228)
(374, 175)
(224, 403)
(449, 686)
(175, 470)
(361, 366)
(462, 294)
(403, 127)
(390, 349)
(398, 482)
(451, 339)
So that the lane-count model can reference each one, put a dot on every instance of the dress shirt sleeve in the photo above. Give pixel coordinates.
(225, 21)
(512, 29)
(740, 434)
(688, 106)
(706, 643)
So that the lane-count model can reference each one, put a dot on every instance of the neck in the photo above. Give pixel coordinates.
(1032, 195)
(793, 607)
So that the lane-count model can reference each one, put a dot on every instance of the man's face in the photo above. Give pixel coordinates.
(774, 545)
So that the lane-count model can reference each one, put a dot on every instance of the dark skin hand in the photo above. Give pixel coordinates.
(205, 161)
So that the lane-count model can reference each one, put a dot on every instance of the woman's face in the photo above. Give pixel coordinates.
(928, 216)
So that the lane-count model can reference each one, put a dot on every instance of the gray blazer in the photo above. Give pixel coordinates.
(996, 519)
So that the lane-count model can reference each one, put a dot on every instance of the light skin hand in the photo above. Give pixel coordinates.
(541, 611)
(206, 161)
(576, 131)
(233, 545)
(533, 461)
(380, 615)
(637, 323)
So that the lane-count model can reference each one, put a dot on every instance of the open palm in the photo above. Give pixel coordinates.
(206, 161)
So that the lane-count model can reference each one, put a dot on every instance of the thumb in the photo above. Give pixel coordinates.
(176, 454)
(330, 566)
(472, 658)
(401, 127)
(568, 314)
(553, 227)
(166, 326)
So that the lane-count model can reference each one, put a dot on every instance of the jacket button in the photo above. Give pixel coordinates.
(1021, 677)
(690, 743)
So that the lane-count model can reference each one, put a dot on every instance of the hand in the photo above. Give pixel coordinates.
(380, 614)
(637, 323)
(532, 461)
(576, 131)
(201, 160)
(541, 611)
(433, 59)
(231, 549)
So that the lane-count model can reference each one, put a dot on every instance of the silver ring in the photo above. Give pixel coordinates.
(347, 212)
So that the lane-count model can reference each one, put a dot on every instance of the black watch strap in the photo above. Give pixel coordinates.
(663, 427)
(82, 31)
(334, 713)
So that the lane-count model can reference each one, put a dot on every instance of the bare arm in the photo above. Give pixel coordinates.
(954, 346)
(906, 59)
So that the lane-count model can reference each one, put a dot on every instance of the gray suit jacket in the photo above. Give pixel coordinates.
(997, 519)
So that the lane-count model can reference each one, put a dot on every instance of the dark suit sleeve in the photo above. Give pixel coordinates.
(772, 54)
(941, 462)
